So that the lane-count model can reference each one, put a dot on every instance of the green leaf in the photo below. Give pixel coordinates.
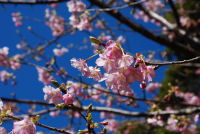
(132, 11)
(95, 40)
(89, 118)
(55, 83)
(82, 131)
(53, 60)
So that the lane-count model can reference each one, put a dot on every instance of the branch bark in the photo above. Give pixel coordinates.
(186, 111)
(143, 31)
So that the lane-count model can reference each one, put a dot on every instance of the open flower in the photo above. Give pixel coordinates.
(24, 126)
(52, 95)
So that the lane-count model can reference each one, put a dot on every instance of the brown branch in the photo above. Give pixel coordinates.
(174, 62)
(172, 27)
(26, 101)
(31, 2)
(176, 16)
(123, 112)
(138, 28)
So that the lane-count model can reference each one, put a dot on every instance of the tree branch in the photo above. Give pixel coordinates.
(138, 28)
(186, 111)
(176, 16)
(174, 62)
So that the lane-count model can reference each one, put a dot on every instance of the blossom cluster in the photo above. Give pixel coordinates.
(60, 52)
(4, 75)
(119, 69)
(81, 22)
(56, 23)
(17, 19)
(5, 61)
(54, 96)
(189, 98)
(44, 76)
(24, 126)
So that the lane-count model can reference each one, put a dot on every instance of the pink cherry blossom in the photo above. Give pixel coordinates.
(1, 105)
(152, 86)
(177, 125)
(15, 62)
(4, 75)
(60, 52)
(116, 81)
(125, 60)
(189, 98)
(4, 62)
(196, 118)
(105, 38)
(68, 99)
(44, 76)
(56, 23)
(112, 125)
(184, 20)
(147, 71)
(84, 23)
(76, 6)
(75, 89)
(132, 74)
(81, 22)
(95, 73)
(81, 65)
(24, 126)
(121, 39)
(54, 113)
(3, 130)
(17, 19)
(52, 95)
(155, 121)
(109, 65)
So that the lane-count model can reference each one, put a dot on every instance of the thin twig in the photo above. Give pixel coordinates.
(174, 62)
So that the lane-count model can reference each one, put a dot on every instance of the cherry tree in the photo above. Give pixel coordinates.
(111, 83)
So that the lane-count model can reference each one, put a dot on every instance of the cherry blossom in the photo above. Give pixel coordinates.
(52, 95)
(95, 73)
(44, 76)
(55, 22)
(81, 22)
(54, 113)
(148, 72)
(81, 65)
(5, 75)
(1, 105)
(68, 99)
(75, 89)
(17, 19)
(3, 57)
(76, 6)
(155, 121)
(126, 60)
(15, 62)
(24, 126)
(189, 98)
(152, 86)
(112, 125)
(3, 130)
(60, 52)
